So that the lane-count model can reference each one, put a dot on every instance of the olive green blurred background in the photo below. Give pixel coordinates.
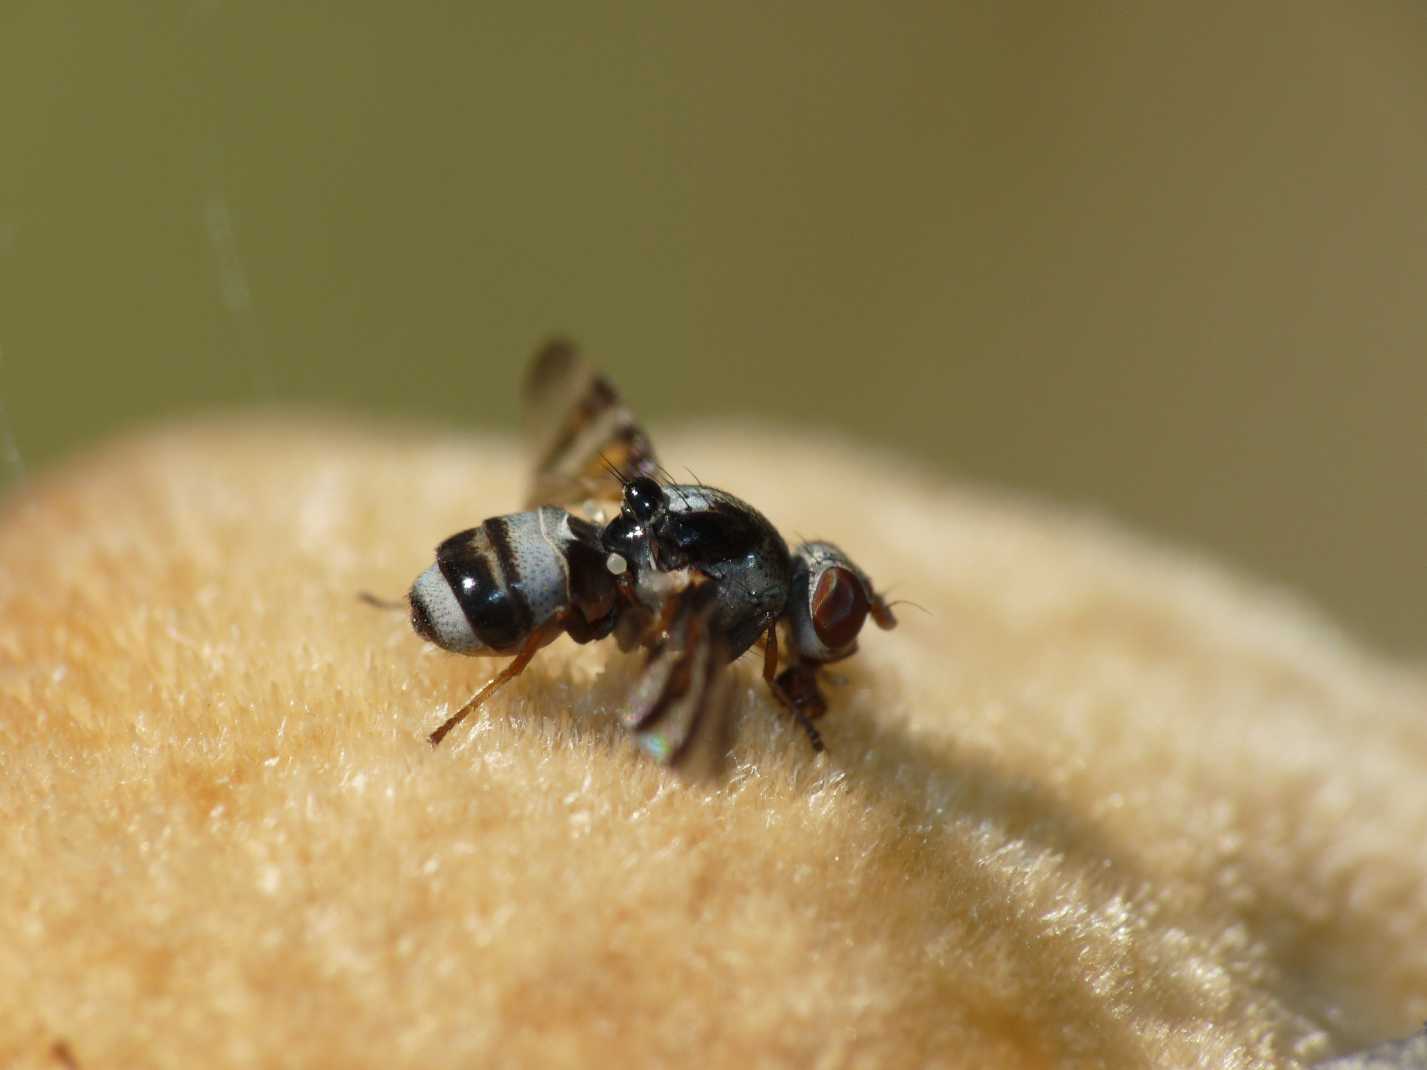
(1168, 261)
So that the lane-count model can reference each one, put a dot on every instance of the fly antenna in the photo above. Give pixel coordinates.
(909, 602)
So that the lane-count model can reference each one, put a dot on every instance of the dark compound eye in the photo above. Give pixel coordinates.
(644, 497)
(839, 606)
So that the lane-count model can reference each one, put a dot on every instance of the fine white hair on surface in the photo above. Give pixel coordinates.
(1107, 805)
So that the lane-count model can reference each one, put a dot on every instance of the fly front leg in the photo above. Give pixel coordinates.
(786, 698)
(800, 682)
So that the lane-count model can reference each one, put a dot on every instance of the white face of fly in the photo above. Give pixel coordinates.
(832, 598)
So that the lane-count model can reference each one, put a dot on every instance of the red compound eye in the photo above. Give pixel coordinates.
(839, 607)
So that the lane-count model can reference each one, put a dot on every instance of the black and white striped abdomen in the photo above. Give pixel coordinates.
(493, 585)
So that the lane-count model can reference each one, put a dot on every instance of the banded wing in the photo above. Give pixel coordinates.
(680, 709)
(586, 443)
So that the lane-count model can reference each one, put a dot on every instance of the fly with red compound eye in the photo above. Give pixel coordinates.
(690, 573)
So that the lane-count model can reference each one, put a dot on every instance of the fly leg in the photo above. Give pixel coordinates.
(679, 708)
(539, 638)
(785, 698)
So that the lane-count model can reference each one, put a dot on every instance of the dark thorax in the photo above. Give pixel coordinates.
(664, 530)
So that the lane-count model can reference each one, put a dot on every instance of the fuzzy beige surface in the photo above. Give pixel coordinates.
(1105, 805)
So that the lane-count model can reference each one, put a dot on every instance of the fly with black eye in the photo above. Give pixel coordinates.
(689, 573)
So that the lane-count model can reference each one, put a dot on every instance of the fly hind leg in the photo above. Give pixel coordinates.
(539, 638)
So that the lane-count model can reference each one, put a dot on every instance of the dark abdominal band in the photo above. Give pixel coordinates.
(500, 616)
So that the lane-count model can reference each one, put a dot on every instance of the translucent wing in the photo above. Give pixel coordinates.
(584, 440)
(680, 709)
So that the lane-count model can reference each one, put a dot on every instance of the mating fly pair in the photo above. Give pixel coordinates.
(608, 547)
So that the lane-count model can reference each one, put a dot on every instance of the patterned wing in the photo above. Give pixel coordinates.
(680, 710)
(586, 443)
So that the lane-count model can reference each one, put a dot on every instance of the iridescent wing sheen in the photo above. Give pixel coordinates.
(680, 710)
(585, 441)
